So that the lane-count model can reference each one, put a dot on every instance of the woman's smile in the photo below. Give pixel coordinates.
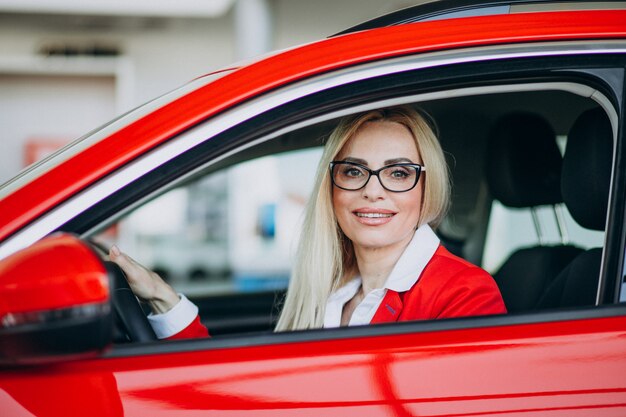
(373, 216)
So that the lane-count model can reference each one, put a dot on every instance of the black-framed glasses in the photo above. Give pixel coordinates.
(396, 178)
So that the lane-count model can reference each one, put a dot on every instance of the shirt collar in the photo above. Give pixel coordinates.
(347, 291)
(413, 260)
(336, 301)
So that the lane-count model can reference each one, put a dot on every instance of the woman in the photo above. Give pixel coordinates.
(367, 252)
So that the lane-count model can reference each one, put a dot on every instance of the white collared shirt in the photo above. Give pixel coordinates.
(403, 276)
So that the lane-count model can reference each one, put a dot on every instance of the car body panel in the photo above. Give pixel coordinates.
(544, 369)
(126, 144)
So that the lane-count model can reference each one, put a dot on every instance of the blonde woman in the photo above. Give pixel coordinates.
(368, 253)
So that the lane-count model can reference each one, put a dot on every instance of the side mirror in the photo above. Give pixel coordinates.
(54, 302)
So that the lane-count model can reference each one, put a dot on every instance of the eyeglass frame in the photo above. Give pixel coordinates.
(418, 168)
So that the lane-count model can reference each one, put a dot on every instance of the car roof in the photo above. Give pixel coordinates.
(447, 9)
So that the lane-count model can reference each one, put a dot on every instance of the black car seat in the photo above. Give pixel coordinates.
(585, 187)
(524, 171)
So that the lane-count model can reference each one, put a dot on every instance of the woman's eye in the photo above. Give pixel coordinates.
(399, 174)
(352, 172)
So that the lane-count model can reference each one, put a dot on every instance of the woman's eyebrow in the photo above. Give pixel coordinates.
(387, 162)
(398, 161)
(355, 160)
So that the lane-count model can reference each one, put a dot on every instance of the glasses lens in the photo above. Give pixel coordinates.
(349, 176)
(399, 178)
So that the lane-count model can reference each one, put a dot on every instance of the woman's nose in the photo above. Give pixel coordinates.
(373, 190)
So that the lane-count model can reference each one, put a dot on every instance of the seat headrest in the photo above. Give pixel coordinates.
(523, 161)
(587, 169)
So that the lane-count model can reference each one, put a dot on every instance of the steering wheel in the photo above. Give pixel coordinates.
(130, 318)
(131, 323)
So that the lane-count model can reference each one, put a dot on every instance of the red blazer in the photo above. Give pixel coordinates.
(195, 329)
(448, 287)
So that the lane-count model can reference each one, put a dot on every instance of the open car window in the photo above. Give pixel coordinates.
(225, 235)
(231, 230)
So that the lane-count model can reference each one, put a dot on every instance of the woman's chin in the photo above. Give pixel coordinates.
(373, 241)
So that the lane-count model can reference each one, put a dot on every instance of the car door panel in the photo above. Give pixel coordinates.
(565, 366)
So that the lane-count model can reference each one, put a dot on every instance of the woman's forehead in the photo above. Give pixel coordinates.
(379, 141)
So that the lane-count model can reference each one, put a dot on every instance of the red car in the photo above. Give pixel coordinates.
(529, 100)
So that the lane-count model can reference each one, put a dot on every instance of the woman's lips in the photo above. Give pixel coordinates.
(373, 217)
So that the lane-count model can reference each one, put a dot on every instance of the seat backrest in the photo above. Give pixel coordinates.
(524, 171)
(585, 186)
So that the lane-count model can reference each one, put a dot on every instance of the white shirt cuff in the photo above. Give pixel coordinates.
(174, 321)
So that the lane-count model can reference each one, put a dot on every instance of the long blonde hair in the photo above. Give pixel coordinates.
(325, 257)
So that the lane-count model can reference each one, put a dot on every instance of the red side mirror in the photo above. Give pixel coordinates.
(54, 302)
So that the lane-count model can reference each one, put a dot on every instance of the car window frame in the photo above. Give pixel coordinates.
(269, 123)
(577, 75)
(537, 317)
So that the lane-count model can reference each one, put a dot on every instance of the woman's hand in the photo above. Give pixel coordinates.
(147, 285)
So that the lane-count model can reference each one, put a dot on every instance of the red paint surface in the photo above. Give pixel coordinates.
(56, 272)
(73, 175)
(549, 369)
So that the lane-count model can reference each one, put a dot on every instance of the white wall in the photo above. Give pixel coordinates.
(156, 61)
(163, 57)
(52, 109)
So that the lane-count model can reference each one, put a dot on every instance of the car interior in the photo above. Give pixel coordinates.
(536, 153)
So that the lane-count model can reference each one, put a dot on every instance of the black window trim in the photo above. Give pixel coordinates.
(367, 331)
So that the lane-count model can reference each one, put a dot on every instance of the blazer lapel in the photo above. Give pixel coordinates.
(389, 309)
